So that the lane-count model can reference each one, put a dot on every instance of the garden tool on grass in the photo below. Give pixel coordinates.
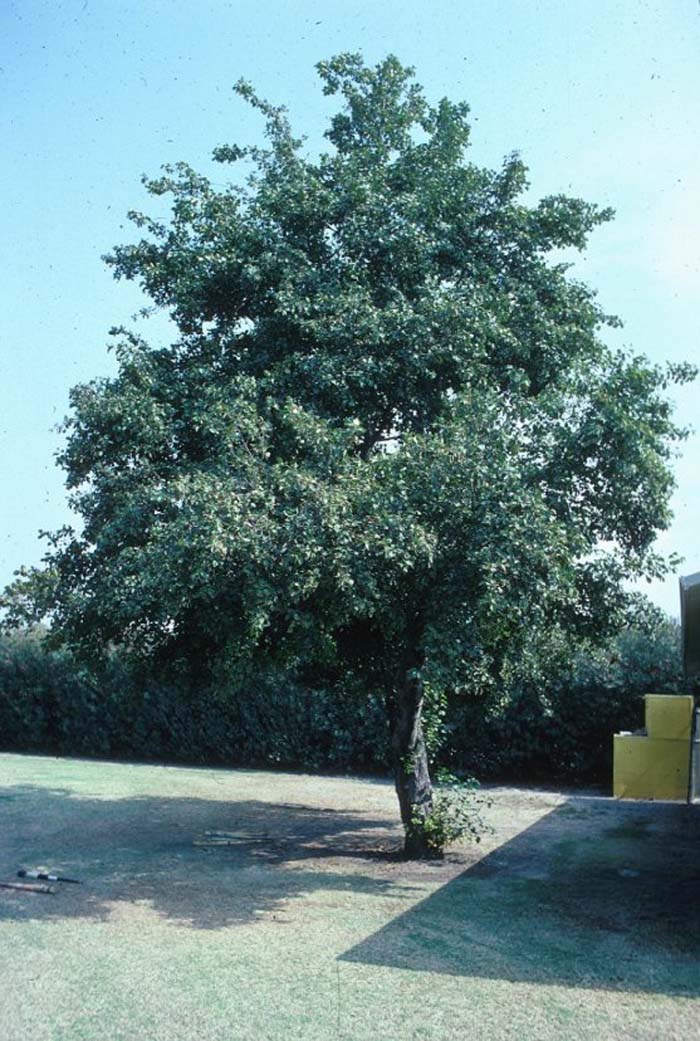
(29, 887)
(47, 877)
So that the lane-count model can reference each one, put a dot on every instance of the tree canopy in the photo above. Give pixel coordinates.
(389, 431)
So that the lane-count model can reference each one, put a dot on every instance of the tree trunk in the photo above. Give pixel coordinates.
(411, 774)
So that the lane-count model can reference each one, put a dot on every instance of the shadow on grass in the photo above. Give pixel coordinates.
(141, 849)
(596, 894)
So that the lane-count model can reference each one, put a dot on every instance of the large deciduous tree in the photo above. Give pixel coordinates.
(388, 432)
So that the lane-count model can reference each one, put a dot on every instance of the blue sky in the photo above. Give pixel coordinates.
(601, 97)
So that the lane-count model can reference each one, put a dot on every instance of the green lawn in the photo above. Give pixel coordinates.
(578, 918)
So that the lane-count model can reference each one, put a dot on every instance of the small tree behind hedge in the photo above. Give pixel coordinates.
(560, 726)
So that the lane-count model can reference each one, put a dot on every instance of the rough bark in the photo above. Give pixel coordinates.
(411, 775)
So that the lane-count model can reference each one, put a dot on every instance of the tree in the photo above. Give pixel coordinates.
(387, 435)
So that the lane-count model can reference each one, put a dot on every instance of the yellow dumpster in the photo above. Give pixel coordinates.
(655, 764)
(668, 716)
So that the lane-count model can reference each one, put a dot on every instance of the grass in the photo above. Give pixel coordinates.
(577, 919)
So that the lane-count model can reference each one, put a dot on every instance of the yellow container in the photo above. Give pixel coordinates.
(668, 715)
(650, 767)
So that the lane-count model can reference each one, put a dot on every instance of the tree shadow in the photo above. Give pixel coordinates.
(578, 899)
(142, 850)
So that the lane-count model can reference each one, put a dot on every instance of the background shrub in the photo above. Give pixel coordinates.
(50, 703)
(554, 722)
(562, 728)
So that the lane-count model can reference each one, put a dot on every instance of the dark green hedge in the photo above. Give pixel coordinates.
(49, 703)
(559, 729)
(563, 728)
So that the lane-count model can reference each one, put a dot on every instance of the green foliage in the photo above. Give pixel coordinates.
(456, 814)
(389, 435)
(385, 405)
(49, 702)
(555, 724)
(559, 725)
(276, 720)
